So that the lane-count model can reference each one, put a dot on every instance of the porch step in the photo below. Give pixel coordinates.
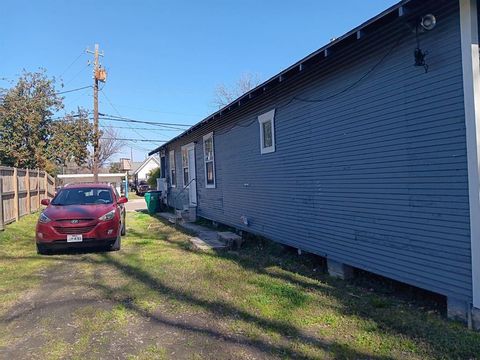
(205, 238)
(189, 214)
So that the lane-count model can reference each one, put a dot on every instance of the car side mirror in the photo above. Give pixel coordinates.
(122, 200)
(45, 202)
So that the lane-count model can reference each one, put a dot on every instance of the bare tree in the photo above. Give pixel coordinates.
(223, 95)
(110, 145)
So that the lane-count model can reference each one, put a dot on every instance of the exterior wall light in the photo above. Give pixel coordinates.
(428, 22)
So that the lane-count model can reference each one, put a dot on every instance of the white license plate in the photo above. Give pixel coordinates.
(74, 238)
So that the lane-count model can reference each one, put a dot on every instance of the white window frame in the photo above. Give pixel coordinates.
(163, 174)
(171, 155)
(262, 119)
(205, 138)
(184, 156)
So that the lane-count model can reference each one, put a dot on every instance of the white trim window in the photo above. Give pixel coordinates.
(209, 160)
(171, 166)
(267, 132)
(185, 169)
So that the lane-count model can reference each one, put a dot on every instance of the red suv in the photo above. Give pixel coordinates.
(82, 215)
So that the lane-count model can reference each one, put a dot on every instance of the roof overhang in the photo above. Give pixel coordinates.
(401, 9)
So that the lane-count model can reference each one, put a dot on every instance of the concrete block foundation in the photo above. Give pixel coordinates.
(457, 310)
(230, 239)
(476, 319)
(339, 270)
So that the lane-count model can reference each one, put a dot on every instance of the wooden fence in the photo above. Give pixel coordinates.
(21, 191)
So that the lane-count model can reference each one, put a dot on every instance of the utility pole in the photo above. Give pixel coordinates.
(99, 74)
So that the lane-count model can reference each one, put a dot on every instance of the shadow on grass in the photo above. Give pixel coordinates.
(219, 309)
(444, 339)
(404, 315)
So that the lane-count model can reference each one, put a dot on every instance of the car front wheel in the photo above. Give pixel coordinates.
(41, 250)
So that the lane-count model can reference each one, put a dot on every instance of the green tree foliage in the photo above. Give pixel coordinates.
(29, 136)
(152, 177)
(68, 139)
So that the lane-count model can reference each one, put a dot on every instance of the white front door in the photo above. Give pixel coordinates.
(190, 173)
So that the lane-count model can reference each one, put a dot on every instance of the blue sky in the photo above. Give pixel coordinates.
(165, 58)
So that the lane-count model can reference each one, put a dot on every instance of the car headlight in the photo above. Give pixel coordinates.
(108, 216)
(44, 218)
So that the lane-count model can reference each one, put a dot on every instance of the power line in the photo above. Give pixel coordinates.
(118, 112)
(149, 129)
(113, 117)
(142, 122)
(69, 91)
(73, 62)
(134, 140)
(138, 147)
(327, 98)
(57, 93)
(352, 85)
(78, 73)
(163, 126)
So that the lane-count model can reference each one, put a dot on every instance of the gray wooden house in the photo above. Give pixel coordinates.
(365, 152)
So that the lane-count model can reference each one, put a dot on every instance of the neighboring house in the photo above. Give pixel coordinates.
(355, 154)
(135, 166)
(142, 171)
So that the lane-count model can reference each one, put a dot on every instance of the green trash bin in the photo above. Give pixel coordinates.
(152, 198)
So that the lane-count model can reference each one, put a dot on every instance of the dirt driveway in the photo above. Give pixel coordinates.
(159, 299)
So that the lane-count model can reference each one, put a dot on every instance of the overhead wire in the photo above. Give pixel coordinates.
(134, 140)
(146, 129)
(118, 112)
(127, 120)
(73, 90)
(78, 73)
(352, 85)
(57, 93)
(71, 64)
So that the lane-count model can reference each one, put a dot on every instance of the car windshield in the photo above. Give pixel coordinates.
(83, 196)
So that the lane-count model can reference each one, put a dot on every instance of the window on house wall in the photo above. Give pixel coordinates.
(209, 159)
(163, 174)
(267, 132)
(171, 165)
(185, 166)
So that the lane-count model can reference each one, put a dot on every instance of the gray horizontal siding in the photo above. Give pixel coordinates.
(375, 177)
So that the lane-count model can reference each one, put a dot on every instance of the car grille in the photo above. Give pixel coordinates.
(74, 230)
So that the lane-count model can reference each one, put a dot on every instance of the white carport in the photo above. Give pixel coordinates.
(115, 179)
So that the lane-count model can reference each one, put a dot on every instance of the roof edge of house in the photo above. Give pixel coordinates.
(260, 89)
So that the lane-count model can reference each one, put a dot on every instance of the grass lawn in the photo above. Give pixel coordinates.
(20, 266)
(168, 302)
(132, 196)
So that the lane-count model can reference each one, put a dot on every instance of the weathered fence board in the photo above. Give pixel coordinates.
(21, 191)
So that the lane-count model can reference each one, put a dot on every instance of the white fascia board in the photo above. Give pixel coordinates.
(471, 89)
